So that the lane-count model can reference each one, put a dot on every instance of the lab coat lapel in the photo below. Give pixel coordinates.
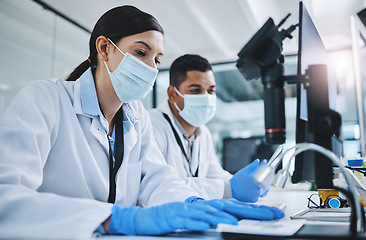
(193, 165)
(195, 155)
(130, 118)
(96, 127)
(164, 108)
(130, 140)
(99, 133)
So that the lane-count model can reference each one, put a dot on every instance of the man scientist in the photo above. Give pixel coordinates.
(185, 141)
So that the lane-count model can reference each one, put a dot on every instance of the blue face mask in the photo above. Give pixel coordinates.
(132, 79)
(198, 108)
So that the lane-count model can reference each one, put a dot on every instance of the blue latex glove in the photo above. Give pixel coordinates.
(166, 218)
(243, 186)
(241, 210)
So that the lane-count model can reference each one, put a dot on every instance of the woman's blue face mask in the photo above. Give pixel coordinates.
(132, 79)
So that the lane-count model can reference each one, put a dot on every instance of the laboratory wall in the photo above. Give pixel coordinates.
(35, 44)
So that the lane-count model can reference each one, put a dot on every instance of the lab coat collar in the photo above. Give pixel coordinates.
(165, 108)
(85, 95)
(88, 94)
(89, 104)
(130, 117)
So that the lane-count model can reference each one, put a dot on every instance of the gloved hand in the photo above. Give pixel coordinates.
(243, 186)
(241, 210)
(166, 218)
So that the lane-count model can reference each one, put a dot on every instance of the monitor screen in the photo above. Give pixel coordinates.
(239, 152)
(314, 104)
(358, 30)
(312, 51)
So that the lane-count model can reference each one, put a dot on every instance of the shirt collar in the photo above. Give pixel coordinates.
(130, 117)
(90, 104)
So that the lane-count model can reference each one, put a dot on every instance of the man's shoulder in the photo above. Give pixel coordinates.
(156, 115)
(43, 91)
(204, 130)
(158, 121)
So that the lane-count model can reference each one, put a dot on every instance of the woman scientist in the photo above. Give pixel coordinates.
(78, 156)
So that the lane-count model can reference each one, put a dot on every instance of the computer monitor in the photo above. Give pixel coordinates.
(358, 30)
(317, 121)
(239, 152)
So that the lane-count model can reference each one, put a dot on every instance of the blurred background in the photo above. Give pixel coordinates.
(49, 38)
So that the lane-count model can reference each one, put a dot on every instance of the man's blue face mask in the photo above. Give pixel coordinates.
(198, 108)
(132, 79)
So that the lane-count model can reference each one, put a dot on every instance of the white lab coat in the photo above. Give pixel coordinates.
(54, 174)
(211, 175)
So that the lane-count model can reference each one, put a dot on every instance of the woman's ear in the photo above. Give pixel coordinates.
(171, 93)
(102, 48)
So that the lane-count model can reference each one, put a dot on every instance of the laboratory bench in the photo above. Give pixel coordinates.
(295, 201)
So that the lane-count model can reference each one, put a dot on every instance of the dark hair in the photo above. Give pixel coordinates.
(189, 62)
(116, 24)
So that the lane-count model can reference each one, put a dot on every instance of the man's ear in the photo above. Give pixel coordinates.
(172, 94)
(101, 45)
